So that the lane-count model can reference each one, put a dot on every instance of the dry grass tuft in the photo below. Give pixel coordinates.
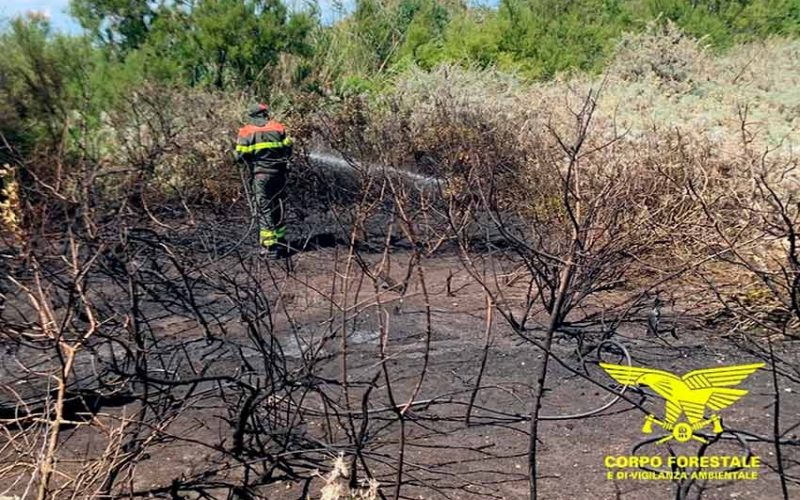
(9, 204)
(337, 485)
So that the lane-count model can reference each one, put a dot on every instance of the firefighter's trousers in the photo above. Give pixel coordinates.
(269, 188)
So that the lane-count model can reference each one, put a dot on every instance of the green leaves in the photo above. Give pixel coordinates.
(41, 83)
(121, 24)
(535, 38)
(220, 43)
(256, 46)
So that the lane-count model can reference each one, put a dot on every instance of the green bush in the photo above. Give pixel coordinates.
(44, 78)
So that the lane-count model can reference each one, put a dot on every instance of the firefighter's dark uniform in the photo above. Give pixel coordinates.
(264, 146)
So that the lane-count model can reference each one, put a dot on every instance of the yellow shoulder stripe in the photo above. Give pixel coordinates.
(264, 145)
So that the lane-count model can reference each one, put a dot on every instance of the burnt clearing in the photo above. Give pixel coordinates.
(218, 374)
(436, 332)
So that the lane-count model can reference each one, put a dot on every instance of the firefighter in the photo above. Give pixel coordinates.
(265, 148)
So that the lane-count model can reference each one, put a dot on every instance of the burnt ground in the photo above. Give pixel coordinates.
(443, 456)
(572, 451)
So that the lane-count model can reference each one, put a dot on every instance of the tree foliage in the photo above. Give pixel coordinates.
(265, 47)
(121, 24)
(237, 43)
(538, 38)
(222, 43)
(43, 78)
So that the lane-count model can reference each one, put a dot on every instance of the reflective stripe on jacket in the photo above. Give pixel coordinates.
(265, 147)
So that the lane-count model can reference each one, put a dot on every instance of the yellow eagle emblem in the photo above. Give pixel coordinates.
(688, 395)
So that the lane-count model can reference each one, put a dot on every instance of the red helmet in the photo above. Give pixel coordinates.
(258, 110)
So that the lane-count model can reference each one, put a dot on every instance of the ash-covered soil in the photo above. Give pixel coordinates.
(218, 321)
